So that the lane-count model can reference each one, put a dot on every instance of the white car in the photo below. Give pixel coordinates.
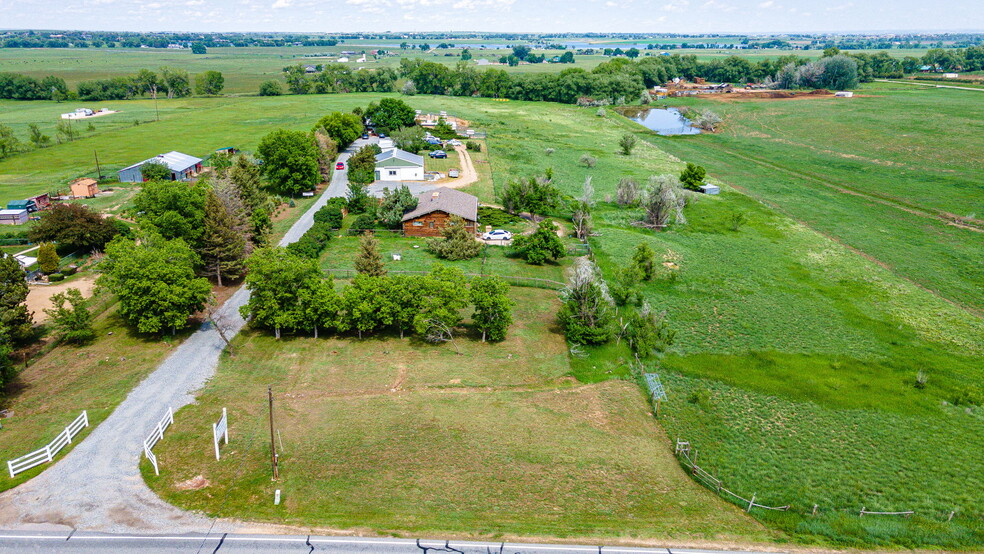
(498, 234)
(454, 142)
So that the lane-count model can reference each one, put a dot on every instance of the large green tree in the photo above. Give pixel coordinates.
(391, 114)
(209, 83)
(366, 306)
(290, 161)
(70, 318)
(15, 320)
(174, 211)
(540, 246)
(281, 288)
(344, 128)
(493, 308)
(396, 203)
(155, 281)
(73, 227)
(362, 165)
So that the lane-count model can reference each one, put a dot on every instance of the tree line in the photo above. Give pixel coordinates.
(168, 81)
(290, 294)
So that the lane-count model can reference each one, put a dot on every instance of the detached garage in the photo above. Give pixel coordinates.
(13, 217)
(399, 165)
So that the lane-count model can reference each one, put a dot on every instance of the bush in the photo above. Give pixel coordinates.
(626, 144)
(331, 214)
(271, 88)
(495, 217)
(362, 223)
(588, 161)
(542, 245)
(473, 146)
(458, 243)
(693, 176)
(313, 242)
(55, 277)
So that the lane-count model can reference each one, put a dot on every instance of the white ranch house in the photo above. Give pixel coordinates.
(398, 165)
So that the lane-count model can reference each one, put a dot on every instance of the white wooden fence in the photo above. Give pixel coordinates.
(47, 454)
(155, 436)
(220, 430)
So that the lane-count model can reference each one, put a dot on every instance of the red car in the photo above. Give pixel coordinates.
(339, 166)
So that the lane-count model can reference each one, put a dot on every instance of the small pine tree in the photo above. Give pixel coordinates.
(693, 176)
(626, 144)
(645, 260)
(368, 260)
(48, 259)
(458, 243)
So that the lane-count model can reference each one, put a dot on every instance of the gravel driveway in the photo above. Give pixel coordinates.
(97, 486)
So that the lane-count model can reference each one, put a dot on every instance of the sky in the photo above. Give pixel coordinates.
(649, 16)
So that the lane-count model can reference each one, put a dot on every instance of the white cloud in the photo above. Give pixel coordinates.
(767, 4)
(281, 4)
(676, 6)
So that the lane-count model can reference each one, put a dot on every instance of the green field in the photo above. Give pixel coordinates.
(395, 437)
(847, 281)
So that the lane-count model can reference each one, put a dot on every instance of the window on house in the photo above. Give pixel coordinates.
(431, 224)
(418, 223)
(392, 172)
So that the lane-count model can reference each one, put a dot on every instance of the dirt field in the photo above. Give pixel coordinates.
(39, 297)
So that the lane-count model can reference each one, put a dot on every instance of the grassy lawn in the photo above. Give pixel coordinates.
(391, 436)
(442, 164)
(414, 255)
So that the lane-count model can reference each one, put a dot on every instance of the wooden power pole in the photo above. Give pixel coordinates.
(98, 171)
(273, 443)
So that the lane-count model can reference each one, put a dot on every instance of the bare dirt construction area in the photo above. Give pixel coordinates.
(39, 296)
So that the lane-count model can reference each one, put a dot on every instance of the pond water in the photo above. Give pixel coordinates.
(665, 121)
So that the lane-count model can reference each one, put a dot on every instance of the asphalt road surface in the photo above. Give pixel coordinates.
(88, 543)
(97, 486)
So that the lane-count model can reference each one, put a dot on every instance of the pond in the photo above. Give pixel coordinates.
(665, 121)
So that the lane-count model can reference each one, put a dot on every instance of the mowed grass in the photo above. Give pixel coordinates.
(884, 174)
(414, 256)
(393, 436)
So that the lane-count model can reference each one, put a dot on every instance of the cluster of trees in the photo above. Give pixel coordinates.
(336, 78)
(197, 41)
(837, 72)
(173, 82)
(290, 294)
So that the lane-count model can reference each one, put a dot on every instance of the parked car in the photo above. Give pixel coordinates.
(382, 135)
(434, 140)
(438, 154)
(453, 173)
(498, 234)
(365, 136)
(339, 166)
(454, 142)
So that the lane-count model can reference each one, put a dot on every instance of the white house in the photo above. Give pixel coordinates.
(399, 165)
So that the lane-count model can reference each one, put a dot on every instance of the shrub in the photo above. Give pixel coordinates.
(330, 215)
(737, 220)
(542, 245)
(55, 277)
(271, 88)
(364, 222)
(473, 146)
(627, 193)
(458, 243)
(48, 259)
(588, 161)
(313, 242)
(496, 218)
(693, 176)
(626, 144)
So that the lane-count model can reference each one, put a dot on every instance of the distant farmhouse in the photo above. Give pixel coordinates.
(183, 167)
(398, 165)
(434, 210)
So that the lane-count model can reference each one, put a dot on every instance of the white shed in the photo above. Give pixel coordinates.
(13, 217)
(398, 165)
(710, 189)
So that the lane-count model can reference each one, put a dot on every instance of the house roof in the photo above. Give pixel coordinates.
(12, 212)
(397, 157)
(445, 200)
(18, 204)
(175, 160)
(84, 181)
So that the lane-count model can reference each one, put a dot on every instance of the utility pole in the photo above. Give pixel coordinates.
(273, 443)
(154, 94)
(98, 171)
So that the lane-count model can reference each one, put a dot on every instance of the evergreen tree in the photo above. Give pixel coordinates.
(458, 243)
(368, 260)
(48, 259)
(645, 260)
(224, 241)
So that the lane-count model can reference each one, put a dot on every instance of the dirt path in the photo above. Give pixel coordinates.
(39, 296)
(468, 174)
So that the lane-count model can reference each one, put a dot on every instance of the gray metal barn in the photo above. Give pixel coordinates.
(183, 167)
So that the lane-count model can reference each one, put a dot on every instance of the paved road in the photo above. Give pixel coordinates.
(98, 486)
(88, 543)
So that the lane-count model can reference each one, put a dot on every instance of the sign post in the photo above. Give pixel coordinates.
(220, 430)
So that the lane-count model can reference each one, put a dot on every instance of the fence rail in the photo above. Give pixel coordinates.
(683, 450)
(47, 454)
(155, 436)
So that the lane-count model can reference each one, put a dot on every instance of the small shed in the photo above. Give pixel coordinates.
(183, 167)
(844, 94)
(85, 187)
(434, 210)
(42, 201)
(28, 205)
(710, 189)
(13, 217)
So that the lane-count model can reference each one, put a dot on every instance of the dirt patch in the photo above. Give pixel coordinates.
(772, 95)
(195, 483)
(467, 174)
(39, 296)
